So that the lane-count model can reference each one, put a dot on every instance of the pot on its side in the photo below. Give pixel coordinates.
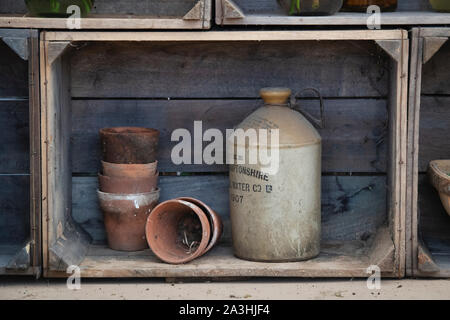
(214, 219)
(178, 231)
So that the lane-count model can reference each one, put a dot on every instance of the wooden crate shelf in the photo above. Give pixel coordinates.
(428, 237)
(268, 12)
(167, 80)
(20, 195)
(131, 14)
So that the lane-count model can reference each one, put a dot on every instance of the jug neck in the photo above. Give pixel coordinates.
(276, 96)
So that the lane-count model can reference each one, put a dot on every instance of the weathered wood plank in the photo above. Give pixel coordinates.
(352, 207)
(337, 259)
(210, 70)
(12, 6)
(160, 8)
(436, 75)
(14, 209)
(133, 7)
(14, 141)
(434, 129)
(13, 73)
(354, 138)
(434, 221)
(66, 241)
(269, 6)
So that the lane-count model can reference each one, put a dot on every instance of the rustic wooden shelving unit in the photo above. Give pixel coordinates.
(132, 14)
(428, 239)
(268, 12)
(167, 80)
(20, 198)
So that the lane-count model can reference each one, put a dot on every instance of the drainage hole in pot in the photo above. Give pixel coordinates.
(189, 233)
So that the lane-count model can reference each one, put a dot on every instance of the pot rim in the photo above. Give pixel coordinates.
(206, 231)
(125, 165)
(101, 175)
(124, 196)
(129, 131)
(436, 168)
(215, 222)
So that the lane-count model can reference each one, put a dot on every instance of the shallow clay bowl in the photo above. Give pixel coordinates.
(128, 185)
(439, 172)
(147, 170)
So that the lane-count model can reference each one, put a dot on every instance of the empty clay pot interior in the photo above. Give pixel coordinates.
(177, 232)
(205, 210)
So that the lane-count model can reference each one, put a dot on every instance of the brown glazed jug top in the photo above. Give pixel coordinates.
(275, 96)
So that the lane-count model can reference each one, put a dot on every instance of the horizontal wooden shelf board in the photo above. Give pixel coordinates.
(189, 36)
(337, 259)
(353, 208)
(343, 18)
(355, 127)
(104, 22)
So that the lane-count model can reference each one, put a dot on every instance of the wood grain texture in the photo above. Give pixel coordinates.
(156, 67)
(352, 207)
(13, 73)
(14, 142)
(269, 6)
(354, 138)
(171, 70)
(123, 14)
(434, 130)
(14, 209)
(133, 7)
(12, 6)
(337, 259)
(435, 77)
(428, 110)
(266, 12)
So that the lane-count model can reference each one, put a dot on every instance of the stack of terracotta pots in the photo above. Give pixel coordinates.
(128, 184)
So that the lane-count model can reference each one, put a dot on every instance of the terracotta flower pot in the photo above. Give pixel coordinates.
(178, 231)
(125, 217)
(128, 185)
(214, 220)
(311, 7)
(129, 145)
(147, 170)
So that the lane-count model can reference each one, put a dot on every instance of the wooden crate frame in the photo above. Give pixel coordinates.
(65, 244)
(426, 42)
(411, 12)
(25, 43)
(199, 17)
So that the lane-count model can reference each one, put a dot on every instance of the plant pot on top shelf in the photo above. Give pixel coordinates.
(58, 8)
(311, 7)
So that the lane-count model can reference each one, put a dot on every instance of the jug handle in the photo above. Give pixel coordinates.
(318, 122)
